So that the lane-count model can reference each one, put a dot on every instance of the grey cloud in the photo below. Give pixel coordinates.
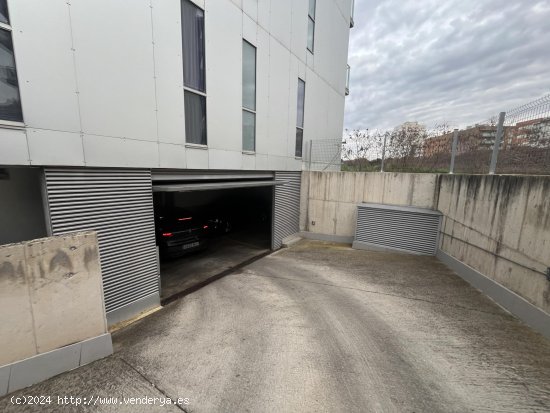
(459, 61)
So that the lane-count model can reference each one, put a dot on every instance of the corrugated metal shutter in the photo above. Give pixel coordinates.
(286, 215)
(399, 228)
(118, 203)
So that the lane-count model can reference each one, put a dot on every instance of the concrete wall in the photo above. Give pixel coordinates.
(333, 197)
(51, 295)
(21, 208)
(498, 225)
(114, 96)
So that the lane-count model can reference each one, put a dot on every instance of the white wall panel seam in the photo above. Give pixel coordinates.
(155, 79)
(340, 92)
(77, 91)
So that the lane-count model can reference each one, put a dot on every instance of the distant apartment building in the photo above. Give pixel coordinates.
(478, 137)
(534, 132)
(103, 102)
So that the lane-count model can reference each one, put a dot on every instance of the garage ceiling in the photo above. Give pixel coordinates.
(209, 176)
(200, 186)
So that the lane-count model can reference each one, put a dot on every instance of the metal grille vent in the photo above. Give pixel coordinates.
(286, 216)
(408, 229)
(118, 204)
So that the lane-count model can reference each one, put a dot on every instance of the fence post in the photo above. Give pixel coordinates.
(453, 151)
(383, 153)
(498, 140)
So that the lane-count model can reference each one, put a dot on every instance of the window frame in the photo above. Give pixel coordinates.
(191, 89)
(244, 108)
(312, 20)
(4, 122)
(300, 127)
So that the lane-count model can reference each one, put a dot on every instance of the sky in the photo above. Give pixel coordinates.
(454, 61)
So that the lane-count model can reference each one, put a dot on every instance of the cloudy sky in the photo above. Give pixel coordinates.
(459, 61)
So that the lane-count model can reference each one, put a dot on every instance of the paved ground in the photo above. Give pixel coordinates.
(222, 254)
(321, 327)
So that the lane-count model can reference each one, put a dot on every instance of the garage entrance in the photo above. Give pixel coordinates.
(209, 224)
(247, 214)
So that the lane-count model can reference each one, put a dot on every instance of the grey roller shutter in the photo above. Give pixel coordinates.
(118, 204)
(286, 209)
(392, 227)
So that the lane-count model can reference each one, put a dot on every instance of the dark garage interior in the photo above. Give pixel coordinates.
(201, 234)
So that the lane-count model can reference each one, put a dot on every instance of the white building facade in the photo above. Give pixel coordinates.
(112, 92)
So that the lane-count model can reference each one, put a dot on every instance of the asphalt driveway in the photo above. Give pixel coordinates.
(321, 327)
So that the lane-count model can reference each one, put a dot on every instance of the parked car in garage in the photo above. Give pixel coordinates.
(179, 232)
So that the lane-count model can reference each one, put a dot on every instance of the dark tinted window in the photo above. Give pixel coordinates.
(4, 18)
(195, 118)
(192, 26)
(311, 11)
(301, 99)
(310, 34)
(249, 76)
(10, 102)
(299, 140)
(249, 131)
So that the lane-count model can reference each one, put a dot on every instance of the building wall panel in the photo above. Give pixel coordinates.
(13, 147)
(168, 70)
(114, 61)
(279, 67)
(280, 21)
(42, 42)
(172, 156)
(298, 41)
(49, 147)
(224, 75)
(113, 72)
(262, 92)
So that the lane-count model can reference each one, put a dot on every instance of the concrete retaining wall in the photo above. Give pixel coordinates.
(333, 197)
(51, 296)
(498, 225)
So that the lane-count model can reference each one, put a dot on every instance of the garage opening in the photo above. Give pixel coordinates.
(206, 226)
(22, 216)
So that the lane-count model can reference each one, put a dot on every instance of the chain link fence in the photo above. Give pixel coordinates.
(525, 147)
(513, 142)
(324, 155)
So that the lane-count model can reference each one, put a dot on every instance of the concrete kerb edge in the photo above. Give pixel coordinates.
(531, 315)
(343, 239)
(367, 246)
(32, 370)
(133, 309)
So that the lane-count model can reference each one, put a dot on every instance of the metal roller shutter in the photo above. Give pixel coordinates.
(391, 227)
(118, 204)
(286, 209)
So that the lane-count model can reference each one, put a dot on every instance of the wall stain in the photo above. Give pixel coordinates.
(90, 255)
(10, 272)
(61, 260)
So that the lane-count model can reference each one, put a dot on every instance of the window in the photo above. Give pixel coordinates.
(10, 100)
(194, 74)
(249, 97)
(311, 26)
(300, 117)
